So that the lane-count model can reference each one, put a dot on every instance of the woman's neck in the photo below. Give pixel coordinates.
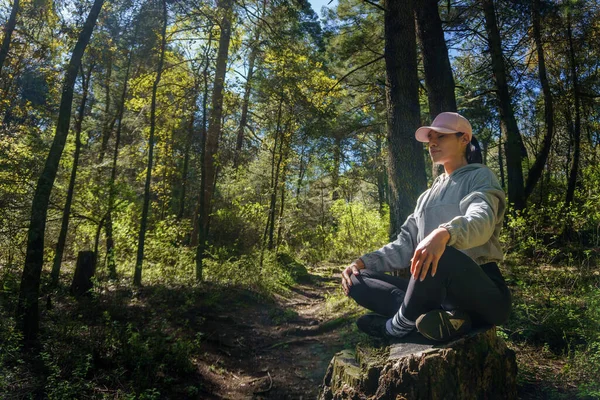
(451, 166)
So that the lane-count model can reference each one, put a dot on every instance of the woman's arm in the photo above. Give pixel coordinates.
(482, 213)
(396, 254)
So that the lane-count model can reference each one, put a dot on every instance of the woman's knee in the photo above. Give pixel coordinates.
(362, 282)
(358, 284)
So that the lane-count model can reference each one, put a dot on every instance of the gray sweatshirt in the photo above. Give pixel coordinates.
(469, 203)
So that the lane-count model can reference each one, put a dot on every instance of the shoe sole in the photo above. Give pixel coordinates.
(427, 324)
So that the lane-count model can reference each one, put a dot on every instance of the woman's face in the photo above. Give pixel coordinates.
(446, 148)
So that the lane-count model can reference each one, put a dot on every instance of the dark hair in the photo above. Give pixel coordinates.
(473, 152)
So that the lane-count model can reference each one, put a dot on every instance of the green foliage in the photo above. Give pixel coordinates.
(297, 270)
(88, 353)
(61, 384)
(247, 271)
(555, 307)
(167, 259)
(10, 353)
(150, 357)
(584, 361)
(358, 229)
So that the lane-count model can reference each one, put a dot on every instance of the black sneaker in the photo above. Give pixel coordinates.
(373, 325)
(442, 326)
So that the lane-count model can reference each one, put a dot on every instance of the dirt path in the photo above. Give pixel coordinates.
(274, 350)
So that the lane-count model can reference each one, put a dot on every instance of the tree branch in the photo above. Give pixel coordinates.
(353, 71)
(369, 2)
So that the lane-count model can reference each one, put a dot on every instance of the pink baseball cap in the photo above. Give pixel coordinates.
(445, 123)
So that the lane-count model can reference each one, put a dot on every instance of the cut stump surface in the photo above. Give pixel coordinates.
(477, 366)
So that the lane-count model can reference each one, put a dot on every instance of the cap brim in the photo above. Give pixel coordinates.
(422, 133)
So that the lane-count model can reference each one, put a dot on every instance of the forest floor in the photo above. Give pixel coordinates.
(280, 349)
(220, 342)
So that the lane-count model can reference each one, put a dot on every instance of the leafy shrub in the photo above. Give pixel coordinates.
(247, 271)
(167, 259)
(358, 229)
(10, 348)
(297, 270)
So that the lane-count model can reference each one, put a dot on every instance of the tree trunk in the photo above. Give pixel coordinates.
(302, 171)
(108, 122)
(380, 171)
(540, 161)
(337, 160)
(212, 134)
(407, 179)
(62, 237)
(508, 123)
(275, 169)
(281, 207)
(438, 72)
(245, 103)
(110, 244)
(196, 217)
(137, 277)
(27, 310)
(577, 127)
(84, 272)
(8, 31)
(501, 162)
(186, 159)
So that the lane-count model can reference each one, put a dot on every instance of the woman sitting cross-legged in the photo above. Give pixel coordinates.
(451, 244)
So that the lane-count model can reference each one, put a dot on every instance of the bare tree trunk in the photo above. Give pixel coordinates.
(64, 228)
(110, 244)
(108, 120)
(8, 31)
(275, 170)
(27, 310)
(281, 207)
(196, 217)
(247, 90)
(577, 127)
(380, 171)
(513, 141)
(537, 169)
(501, 161)
(137, 277)
(438, 72)
(302, 171)
(407, 179)
(337, 160)
(188, 146)
(212, 134)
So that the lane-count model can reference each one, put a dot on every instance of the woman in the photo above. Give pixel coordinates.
(451, 244)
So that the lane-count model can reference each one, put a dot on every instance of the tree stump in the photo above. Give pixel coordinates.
(84, 271)
(476, 366)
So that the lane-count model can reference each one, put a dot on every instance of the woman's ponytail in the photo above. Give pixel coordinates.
(474, 152)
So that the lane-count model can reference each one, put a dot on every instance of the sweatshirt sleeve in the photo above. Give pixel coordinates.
(482, 212)
(396, 254)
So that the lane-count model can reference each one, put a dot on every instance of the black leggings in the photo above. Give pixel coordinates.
(459, 283)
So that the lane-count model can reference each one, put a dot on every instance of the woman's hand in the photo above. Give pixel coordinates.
(428, 253)
(352, 269)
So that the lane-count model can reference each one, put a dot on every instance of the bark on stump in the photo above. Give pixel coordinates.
(477, 366)
(84, 271)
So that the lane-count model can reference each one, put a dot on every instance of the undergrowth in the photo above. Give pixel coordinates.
(555, 282)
